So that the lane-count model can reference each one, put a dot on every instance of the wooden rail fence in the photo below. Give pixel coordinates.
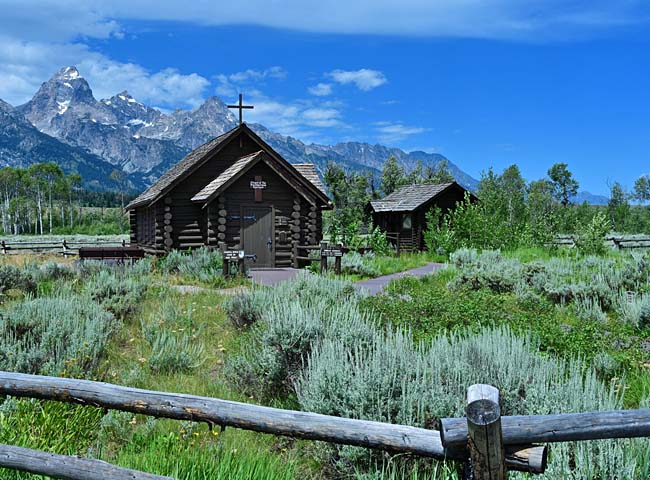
(66, 247)
(620, 242)
(489, 444)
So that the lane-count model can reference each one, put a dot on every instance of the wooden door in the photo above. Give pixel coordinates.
(257, 235)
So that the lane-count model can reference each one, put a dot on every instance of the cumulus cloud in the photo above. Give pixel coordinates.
(365, 79)
(389, 132)
(25, 65)
(321, 89)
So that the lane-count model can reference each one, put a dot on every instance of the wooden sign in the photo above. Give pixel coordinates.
(331, 252)
(261, 185)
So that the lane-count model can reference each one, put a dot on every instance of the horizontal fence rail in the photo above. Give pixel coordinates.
(566, 427)
(67, 467)
(305, 425)
(67, 247)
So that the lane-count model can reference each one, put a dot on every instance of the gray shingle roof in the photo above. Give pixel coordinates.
(226, 175)
(308, 170)
(408, 197)
(175, 172)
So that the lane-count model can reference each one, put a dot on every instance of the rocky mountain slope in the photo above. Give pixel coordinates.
(22, 145)
(144, 142)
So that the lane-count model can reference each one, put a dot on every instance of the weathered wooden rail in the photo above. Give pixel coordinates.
(65, 247)
(67, 467)
(620, 242)
(490, 444)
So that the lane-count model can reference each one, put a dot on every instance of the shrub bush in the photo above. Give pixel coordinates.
(392, 380)
(203, 264)
(12, 277)
(174, 352)
(117, 293)
(54, 336)
(378, 243)
(354, 263)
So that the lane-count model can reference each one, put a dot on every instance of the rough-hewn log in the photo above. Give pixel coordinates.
(65, 467)
(221, 236)
(295, 215)
(484, 433)
(312, 426)
(168, 216)
(296, 208)
(567, 427)
(222, 213)
(221, 220)
(168, 228)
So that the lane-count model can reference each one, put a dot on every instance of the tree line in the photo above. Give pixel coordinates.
(41, 198)
(511, 210)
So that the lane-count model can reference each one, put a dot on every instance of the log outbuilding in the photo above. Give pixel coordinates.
(402, 214)
(234, 192)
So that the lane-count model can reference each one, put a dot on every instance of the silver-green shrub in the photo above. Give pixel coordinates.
(52, 336)
(291, 319)
(634, 308)
(118, 294)
(354, 263)
(12, 277)
(172, 334)
(393, 380)
(202, 264)
(173, 352)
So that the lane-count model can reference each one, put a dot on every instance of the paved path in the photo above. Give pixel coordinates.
(377, 285)
(272, 276)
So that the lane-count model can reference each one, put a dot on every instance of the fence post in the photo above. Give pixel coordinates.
(323, 258)
(294, 248)
(487, 457)
(337, 262)
(4, 247)
(65, 248)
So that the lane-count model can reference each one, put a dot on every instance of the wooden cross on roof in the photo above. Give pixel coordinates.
(240, 106)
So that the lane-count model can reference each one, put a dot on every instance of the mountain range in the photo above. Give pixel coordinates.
(64, 123)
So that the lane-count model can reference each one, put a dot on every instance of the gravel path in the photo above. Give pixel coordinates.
(377, 285)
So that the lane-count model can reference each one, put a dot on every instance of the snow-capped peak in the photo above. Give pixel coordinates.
(68, 73)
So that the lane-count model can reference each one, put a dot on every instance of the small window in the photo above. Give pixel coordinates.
(406, 221)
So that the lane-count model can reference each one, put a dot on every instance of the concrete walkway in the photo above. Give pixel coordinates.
(272, 276)
(377, 285)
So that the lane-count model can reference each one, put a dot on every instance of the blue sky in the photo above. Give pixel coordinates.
(484, 83)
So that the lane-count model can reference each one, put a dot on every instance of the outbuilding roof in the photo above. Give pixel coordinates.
(410, 197)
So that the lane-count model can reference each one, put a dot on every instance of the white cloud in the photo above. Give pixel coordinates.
(530, 19)
(389, 132)
(321, 89)
(25, 65)
(257, 75)
(365, 79)
(64, 20)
